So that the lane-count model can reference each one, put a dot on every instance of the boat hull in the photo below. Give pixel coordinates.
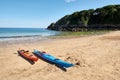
(27, 55)
(53, 59)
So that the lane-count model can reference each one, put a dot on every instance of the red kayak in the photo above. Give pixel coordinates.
(28, 55)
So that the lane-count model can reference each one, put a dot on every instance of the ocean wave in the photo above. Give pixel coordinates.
(22, 36)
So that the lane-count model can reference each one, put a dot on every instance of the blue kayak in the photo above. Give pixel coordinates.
(53, 59)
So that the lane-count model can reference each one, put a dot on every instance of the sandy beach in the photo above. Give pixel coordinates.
(95, 57)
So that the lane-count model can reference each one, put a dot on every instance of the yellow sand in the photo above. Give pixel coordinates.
(97, 58)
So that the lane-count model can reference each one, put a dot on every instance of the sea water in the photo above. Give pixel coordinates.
(24, 33)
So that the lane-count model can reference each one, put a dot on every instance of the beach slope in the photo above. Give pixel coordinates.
(95, 57)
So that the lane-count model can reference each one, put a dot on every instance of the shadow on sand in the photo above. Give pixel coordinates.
(31, 62)
(58, 66)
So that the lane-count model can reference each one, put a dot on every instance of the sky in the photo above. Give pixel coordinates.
(41, 13)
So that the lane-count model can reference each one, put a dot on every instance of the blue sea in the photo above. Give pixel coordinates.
(12, 33)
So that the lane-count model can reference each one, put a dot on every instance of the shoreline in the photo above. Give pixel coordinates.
(24, 39)
(58, 35)
(44, 39)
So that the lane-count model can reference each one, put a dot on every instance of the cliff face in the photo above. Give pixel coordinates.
(107, 17)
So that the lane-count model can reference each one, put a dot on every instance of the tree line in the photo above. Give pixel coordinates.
(107, 17)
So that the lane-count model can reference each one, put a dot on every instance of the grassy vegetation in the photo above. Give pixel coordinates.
(95, 32)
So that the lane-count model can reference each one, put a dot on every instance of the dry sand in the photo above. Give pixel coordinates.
(95, 57)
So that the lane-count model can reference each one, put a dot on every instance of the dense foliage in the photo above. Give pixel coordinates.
(107, 16)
